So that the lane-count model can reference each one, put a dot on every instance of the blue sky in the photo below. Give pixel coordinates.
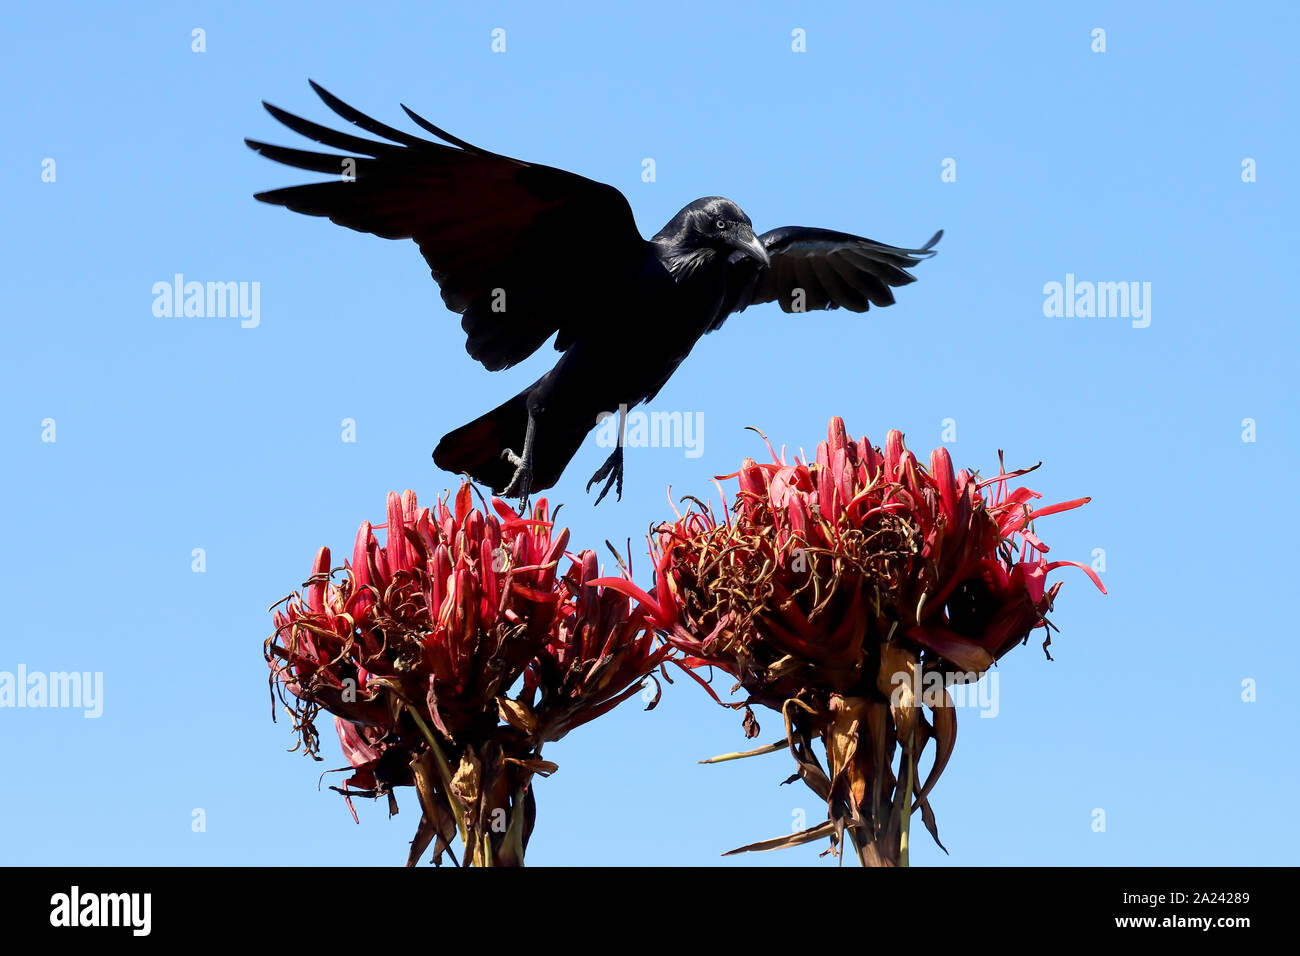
(181, 433)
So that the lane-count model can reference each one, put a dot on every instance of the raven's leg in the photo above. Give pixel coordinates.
(613, 467)
(522, 482)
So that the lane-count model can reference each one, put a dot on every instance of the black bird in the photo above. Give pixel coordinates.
(524, 251)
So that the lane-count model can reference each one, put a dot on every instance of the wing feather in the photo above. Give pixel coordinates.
(518, 249)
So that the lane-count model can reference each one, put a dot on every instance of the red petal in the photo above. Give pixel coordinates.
(1082, 567)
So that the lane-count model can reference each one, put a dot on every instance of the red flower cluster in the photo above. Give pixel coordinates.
(862, 542)
(450, 654)
(835, 586)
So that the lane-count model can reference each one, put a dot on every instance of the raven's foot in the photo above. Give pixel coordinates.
(611, 473)
(522, 482)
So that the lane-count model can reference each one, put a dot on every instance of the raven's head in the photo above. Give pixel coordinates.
(718, 223)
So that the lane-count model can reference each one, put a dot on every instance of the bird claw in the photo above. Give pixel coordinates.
(612, 474)
(521, 483)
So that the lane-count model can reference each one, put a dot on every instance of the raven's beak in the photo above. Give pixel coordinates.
(743, 238)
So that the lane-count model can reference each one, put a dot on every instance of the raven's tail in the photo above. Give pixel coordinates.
(476, 448)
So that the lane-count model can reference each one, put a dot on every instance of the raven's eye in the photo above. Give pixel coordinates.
(721, 224)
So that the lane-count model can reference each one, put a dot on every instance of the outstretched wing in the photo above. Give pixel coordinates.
(821, 269)
(520, 250)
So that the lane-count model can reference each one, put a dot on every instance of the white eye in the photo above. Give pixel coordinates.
(721, 224)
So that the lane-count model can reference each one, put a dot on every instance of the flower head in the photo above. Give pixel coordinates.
(450, 653)
(834, 587)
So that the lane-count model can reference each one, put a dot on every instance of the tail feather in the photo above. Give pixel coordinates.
(476, 448)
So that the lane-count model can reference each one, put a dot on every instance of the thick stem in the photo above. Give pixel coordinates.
(444, 771)
(907, 806)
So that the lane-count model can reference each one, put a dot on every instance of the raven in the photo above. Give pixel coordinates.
(523, 252)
